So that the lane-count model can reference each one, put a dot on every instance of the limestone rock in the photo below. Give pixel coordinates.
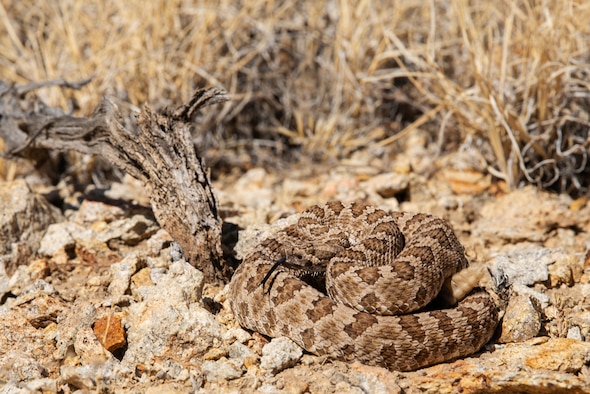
(169, 316)
(279, 354)
(222, 369)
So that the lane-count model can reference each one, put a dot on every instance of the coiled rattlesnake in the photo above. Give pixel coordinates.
(378, 269)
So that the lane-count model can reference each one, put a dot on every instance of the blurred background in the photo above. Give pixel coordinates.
(328, 80)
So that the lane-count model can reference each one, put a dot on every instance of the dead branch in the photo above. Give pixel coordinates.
(159, 152)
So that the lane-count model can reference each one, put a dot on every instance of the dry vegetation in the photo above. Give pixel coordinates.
(326, 78)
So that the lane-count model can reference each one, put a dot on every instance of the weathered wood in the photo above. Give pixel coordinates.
(158, 151)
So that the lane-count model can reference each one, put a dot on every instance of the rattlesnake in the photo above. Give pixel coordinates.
(379, 270)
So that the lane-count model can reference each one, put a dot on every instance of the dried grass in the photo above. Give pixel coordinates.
(332, 76)
(516, 83)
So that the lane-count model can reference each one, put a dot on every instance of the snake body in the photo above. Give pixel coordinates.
(352, 282)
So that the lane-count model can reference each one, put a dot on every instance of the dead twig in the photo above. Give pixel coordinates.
(159, 152)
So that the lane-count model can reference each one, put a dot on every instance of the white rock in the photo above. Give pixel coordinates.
(20, 280)
(526, 267)
(222, 369)
(574, 333)
(16, 366)
(13, 388)
(62, 235)
(239, 352)
(89, 376)
(80, 316)
(170, 311)
(237, 334)
(254, 190)
(541, 298)
(129, 230)
(121, 275)
(280, 353)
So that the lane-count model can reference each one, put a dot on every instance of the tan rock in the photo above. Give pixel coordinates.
(522, 320)
(559, 354)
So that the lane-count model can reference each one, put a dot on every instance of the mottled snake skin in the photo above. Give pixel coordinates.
(379, 269)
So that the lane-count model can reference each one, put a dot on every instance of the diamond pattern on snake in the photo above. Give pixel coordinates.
(354, 282)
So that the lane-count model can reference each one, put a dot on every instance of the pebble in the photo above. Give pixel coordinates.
(280, 353)
(222, 369)
(110, 333)
(522, 320)
(388, 185)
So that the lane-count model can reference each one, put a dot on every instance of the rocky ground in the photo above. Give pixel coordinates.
(97, 297)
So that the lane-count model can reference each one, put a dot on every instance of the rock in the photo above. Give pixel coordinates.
(559, 354)
(27, 325)
(130, 189)
(62, 236)
(43, 385)
(170, 369)
(296, 381)
(20, 280)
(242, 354)
(110, 333)
(522, 320)
(215, 354)
(121, 274)
(141, 278)
(388, 185)
(538, 298)
(91, 212)
(169, 316)
(237, 334)
(39, 269)
(239, 351)
(340, 187)
(368, 379)
(95, 374)
(465, 170)
(574, 333)
(176, 345)
(79, 316)
(68, 235)
(18, 367)
(40, 305)
(525, 267)
(568, 313)
(158, 243)
(222, 369)
(4, 278)
(562, 271)
(24, 218)
(467, 181)
(88, 348)
(92, 252)
(279, 354)
(168, 388)
(129, 231)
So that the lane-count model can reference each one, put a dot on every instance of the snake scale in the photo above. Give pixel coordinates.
(354, 282)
